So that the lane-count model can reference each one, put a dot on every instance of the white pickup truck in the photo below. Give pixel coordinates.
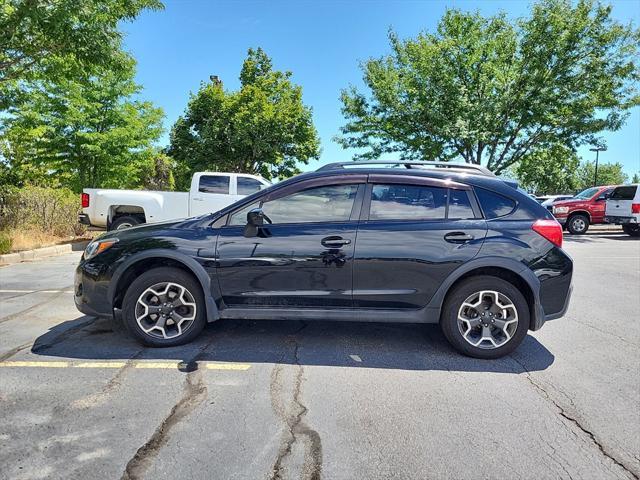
(210, 192)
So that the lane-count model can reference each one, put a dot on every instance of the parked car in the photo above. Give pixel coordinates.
(548, 201)
(584, 209)
(454, 246)
(623, 208)
(210, 191)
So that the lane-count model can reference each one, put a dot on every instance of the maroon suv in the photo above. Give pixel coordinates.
(585, 209)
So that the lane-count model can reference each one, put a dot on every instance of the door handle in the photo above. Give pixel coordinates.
(334, 241)
(198, 199)
(458, 237)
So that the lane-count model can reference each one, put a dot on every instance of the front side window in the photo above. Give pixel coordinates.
(320, 204)
(214, 184)
(624, 193)
(407, 202)
(247, 186)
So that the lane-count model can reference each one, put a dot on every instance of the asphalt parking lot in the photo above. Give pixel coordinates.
(294, 400)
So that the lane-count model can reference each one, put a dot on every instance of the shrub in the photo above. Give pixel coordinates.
(50, 210)
(5, 243)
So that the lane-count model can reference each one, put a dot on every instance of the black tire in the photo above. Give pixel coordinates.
(467, 288)
(158, 276)
(124, 221)
(578, 224)
(632, 230)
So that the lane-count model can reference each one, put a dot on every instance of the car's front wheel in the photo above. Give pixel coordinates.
(578, 224)
(164, 307)
(633, 230)
(485, 317)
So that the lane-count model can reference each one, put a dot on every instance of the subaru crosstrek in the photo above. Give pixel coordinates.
(428, 243)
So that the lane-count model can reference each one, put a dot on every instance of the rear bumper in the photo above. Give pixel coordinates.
(620, 220)
(83, 218)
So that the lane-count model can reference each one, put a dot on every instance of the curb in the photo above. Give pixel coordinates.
(38, 253)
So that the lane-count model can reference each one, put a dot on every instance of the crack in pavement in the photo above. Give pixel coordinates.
(562, 412)
(13, 316)
(194, 393)
(296, 427)
(96, 398)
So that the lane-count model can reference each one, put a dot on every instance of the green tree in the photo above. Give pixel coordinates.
(87, 132)
(158, 175)
(49, 37)
(608, 174)
(489, 91)
(264, 128)
(636, 178)
(548, 171)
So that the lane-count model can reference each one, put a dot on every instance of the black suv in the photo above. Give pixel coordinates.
(427, 243)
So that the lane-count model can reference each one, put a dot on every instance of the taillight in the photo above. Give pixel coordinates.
(635, 208)
(549, 229)
(85, 200)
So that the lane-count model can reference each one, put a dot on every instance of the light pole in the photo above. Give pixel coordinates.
(597, 150)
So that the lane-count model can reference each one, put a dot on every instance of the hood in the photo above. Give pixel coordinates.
(568, 203)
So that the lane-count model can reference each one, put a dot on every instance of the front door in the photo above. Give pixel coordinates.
(304, 258)
(412, 236)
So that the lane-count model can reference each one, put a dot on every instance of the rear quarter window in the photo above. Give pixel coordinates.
(493, 204)
(624, 193)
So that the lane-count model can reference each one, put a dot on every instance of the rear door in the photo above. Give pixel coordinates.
(413, 233)
(620, 201)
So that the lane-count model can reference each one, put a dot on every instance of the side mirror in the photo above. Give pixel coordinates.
(255, 217)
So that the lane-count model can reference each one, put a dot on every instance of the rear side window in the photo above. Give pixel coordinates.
(624, 193)
(408, 202)
(247, 186)
(214, 184)
(459, 205)
(493, 204)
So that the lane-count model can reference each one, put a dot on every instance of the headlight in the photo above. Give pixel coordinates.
(98, 246)
(560, 209)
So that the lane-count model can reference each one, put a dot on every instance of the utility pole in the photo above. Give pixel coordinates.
(597, 150)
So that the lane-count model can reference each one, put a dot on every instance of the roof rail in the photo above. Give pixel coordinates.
(477, 169)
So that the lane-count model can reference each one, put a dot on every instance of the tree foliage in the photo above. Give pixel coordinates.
(49, 38)
(491, 91)
(159, 174)
(548, 171)
(264, 128)
(608, 174)
(86, 132)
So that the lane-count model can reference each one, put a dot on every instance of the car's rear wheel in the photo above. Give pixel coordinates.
(485, 317)
(633, 230)
(578, 224)
(126, 221)
(164, 307)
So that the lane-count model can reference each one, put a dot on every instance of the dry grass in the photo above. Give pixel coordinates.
(30, 239)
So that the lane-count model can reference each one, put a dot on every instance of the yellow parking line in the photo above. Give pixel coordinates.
(140, 365)
(227, 366)
(36, 364)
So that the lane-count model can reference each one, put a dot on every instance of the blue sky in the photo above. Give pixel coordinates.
(322, 43)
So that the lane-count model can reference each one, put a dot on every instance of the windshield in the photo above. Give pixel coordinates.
(588, 193)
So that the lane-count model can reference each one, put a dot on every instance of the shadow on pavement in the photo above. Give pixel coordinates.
(590, 237)
(336, 344)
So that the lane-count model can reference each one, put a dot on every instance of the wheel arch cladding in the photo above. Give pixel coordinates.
(150, 259)
(580, 212)
(510, 270)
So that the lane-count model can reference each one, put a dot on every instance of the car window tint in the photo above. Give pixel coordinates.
(624, 193)
(319, 204)
(239, 217)
(459, 205)
(493, 204)
(247, 186)
(214, 184)
(407, 202)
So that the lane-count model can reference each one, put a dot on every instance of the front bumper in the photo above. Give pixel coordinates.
(89, 294)
(561, 220)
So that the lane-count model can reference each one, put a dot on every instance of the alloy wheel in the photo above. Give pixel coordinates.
(165, 310)
(487, 319)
